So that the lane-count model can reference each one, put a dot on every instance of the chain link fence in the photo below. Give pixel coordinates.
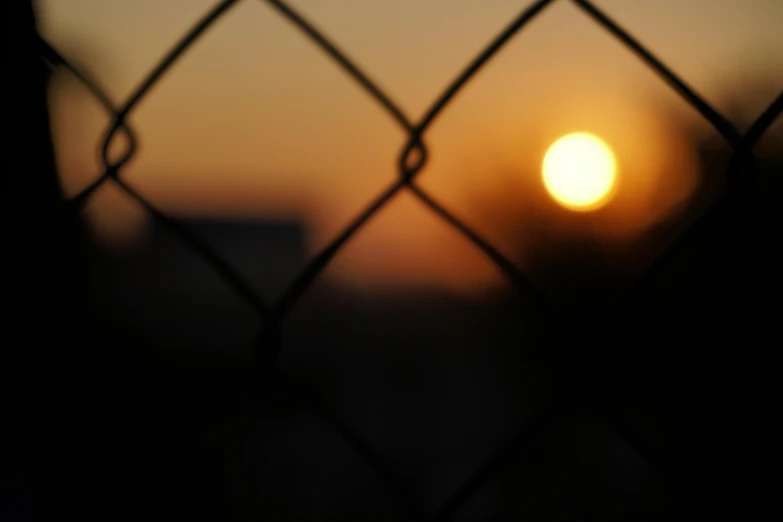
(412, 162)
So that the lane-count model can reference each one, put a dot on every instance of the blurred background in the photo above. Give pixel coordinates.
(262, 146)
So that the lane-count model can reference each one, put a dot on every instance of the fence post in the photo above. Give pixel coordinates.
(42, 272)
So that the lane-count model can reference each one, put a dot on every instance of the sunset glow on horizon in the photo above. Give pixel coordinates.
(257, 122)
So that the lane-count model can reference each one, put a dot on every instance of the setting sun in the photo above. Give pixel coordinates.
(579, 171)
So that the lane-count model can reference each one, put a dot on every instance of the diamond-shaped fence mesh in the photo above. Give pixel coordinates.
(412, 163)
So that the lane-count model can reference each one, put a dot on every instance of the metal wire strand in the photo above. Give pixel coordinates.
(164, 65)
(518, 278)
(121, 114)
(342, 59)
(474, 66)
(220, 266)
(721, 124)
(55, 59)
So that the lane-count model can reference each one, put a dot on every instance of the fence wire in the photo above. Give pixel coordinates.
(269, 343)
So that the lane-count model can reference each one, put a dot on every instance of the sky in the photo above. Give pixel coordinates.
(257, 121)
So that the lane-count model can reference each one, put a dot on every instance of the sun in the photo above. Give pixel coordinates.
(579, 171)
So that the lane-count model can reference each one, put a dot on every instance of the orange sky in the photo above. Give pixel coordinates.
(255, 120)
